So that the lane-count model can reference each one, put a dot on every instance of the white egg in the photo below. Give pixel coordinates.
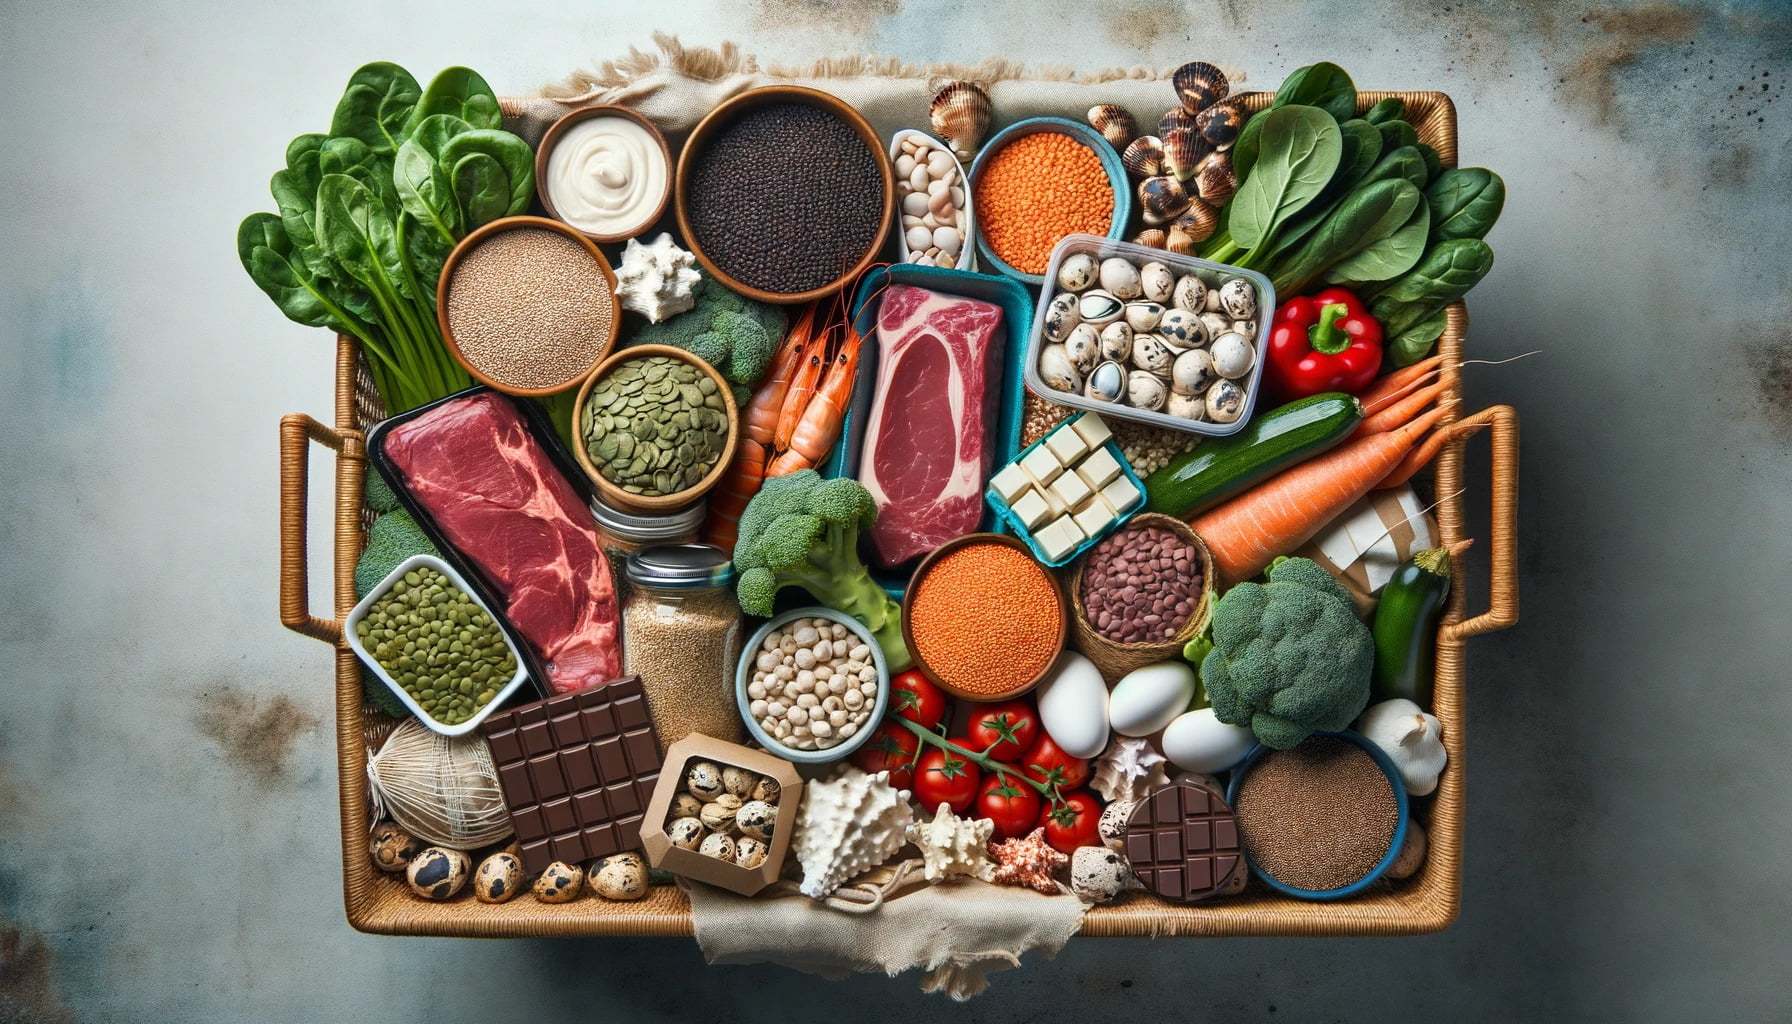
(1073, 706)
(1147, 699)
(1200, 742)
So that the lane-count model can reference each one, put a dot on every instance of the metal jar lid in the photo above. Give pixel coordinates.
(680, 566)
(648, 528)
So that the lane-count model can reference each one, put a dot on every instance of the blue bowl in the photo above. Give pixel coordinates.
(1110, 162)
(743, 673)
(1381, 866)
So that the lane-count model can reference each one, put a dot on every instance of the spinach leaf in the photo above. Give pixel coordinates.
(1361, 148)
(1396, 133)
(1464, 203)
(351, 156)
(1323, 85)
(493, 174)
(1244, 151)
(268, 255)
(356, 230)
(1299, 151)
(1389, 109)
(1404, 163)
(1388, 256)
(1434, 164)
(376, 106)
(1414, 343)
(1366, 216)
(1443, 275)
(461, 92)
(425, 189)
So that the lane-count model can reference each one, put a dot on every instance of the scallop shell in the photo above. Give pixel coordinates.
(1225, 401)
(1144, 157)
(1106, 383)
(1155, 238)
(1084, 346)
(1115, 123)
(1175, 117)
(1215, 181)
(960, 115)
(1183, 152)
(1199, 85)
(1146, 390)
(1116, 341)
(1163, 199)
(850, 823)
(1196, 224)
(1220, 124)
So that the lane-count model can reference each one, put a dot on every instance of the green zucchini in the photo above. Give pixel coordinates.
(1213, 471)
(1405, 627)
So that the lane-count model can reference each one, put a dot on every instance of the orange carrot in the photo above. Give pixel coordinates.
(1422, 455)
(1285, 511)
(1396, 413)
(1379, 391)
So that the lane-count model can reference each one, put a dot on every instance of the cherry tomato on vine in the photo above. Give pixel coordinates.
(1009, 725)
(891, 748)
(943, 778)
(914, 697)
(1046, 762)
(1010, 803)
(1076, 822)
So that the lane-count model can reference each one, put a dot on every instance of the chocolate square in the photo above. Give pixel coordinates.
(1182, 841)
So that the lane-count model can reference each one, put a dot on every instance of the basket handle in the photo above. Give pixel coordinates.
(1502, 600)
(296, 432)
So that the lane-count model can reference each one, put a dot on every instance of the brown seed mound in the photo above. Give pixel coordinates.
(529, 308)
(1317, 817)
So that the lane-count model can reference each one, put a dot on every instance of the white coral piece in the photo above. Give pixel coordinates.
(951, 845)
(657, 280)
(850, 823)
(1129, 770)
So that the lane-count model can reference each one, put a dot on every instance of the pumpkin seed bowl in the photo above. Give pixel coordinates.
(649, 432)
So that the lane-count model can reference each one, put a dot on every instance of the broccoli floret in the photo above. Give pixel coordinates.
(747, 347)
(803, 531)
(395, 537)
(1289, 656)
(378, 494)
(732, 333)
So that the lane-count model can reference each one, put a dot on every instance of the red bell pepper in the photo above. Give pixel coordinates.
(1322, 342)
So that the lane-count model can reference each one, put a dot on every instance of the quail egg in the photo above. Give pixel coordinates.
(1145, 390)
(766, 789)
(1225, 401)
(684, 805)
(561, 882)
(1121, 279)
(1187, 407)
(438, 873)
(1077, 272)
(1190, 293)
(1215, 323)
(499, 878)
(1238, 299)
(750, 852)
(1060, 316)
(1098, 307)
(1116, 341)
(1157, 281)
(1233, 356)
(1144, 316)
(392, 848)
(718, 814)
(1149, 353)
(757, 819)
(703, 779)
(1192, 373)
(717, 845)
(1105, 383)
(1084, 346)
(1098, 874)
(686, 833)
(1057, 369)
(1248, 328)
(1113, 824)
(620, 876)
(1181, 329)
(738, 781)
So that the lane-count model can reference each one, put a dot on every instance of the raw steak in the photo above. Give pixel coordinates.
(503, 504)
(927, 447)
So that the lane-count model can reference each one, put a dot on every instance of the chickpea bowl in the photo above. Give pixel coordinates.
(812, 685)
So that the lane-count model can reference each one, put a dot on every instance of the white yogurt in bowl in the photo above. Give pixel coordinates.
(606, 175)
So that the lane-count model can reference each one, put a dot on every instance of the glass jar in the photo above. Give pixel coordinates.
(624, 533)
(681, 635)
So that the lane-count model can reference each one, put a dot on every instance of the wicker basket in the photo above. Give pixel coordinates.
(1115, 659)
(382, 903)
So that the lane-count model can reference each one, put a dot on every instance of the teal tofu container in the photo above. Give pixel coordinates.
(1012, 523)
(1004, 437)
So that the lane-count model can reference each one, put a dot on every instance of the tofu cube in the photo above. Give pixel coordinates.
(1011, 483)
(1053, 502)
(1031, 509)
(1066, 444)
(1059, 538)
(1099, 469)
(1071, 489)
(1040, 462)
(1093, 429)
(1096, 517)
(1121, 494)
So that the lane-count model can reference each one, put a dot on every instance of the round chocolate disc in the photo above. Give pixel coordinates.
(1183, 842)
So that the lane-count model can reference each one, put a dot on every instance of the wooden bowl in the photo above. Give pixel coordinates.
(638, 504)
(914, 585)
(753, 98)
(544, 152)
(1115, 659)
(471, 242)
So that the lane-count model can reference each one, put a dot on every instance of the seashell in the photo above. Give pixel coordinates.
(1144, 157)
(1196, 225)
(1060, 316)
(1182, 328)
(952, 846)
(960, 115)
(1220, 124)
(1216, 323)
(1058, 372)
(1233, 356)
(1157, 281)
(1155, 238)
(1190, 293)
(1192, 374)
(1084, 347)
(1149, 353)
(1115, 123)
(1174, 118)
(1121, 279)
(657, 280)
(1163, 199)
(1199, 85)
(1098, 307)
(1116, 341)
(1077, 272)
(1183, 152)
(1106, 383)
(1145, 390)
(1238, 299)
(850, 823)
(1187, 407)
(1129, 770)
(1144, 316)
(1214, 180)
(1225, 401)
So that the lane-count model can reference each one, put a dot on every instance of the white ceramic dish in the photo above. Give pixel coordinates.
(879, 704)
(373, 665)
(967, 249)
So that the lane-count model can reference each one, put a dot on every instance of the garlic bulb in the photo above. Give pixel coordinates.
(1412, 739)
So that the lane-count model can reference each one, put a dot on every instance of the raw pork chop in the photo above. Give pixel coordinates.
(498, 499)
(927, 450)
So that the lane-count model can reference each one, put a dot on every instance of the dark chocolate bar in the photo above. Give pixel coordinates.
(1182, 841)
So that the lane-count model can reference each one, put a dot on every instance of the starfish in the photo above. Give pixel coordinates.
(952, 845)
(1030, 862)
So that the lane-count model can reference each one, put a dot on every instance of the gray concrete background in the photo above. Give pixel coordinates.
(167, 807)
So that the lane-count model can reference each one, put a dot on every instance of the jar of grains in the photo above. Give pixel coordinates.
(681, 635)
(625, 533)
